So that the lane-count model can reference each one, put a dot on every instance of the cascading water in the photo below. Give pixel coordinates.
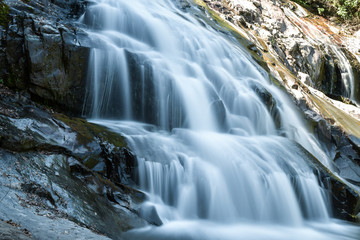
(220, 149)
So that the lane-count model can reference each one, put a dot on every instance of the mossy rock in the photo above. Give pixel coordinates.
(4, 14)
(344, 11)
(88, 132)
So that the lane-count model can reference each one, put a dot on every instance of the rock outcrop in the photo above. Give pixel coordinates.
(71, 175)
(41, 51)
(311, 47)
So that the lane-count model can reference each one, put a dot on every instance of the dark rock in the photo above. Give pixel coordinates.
(270, 104)
(41, 52)
(49, 153)
(345, 201)
(57, 70)
(344, 149)
(35, 188)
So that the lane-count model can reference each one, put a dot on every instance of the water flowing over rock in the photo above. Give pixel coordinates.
(213, 147)
(220, 149)
(304, 52)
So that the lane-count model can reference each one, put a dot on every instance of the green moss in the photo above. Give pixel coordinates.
(15, 77)
(277, 82)
(91, 162)
(346, 10)
(200, 3)
(303, 3)
(88, 132)
(4, 14)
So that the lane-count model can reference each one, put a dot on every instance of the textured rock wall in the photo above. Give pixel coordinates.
(309, 46)
(61, 177)
(41, 52)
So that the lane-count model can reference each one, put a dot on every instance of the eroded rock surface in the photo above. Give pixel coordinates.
(42, 50)
(63, 177)
(311, 47)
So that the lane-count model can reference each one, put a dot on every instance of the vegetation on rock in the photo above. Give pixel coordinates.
(346, 10)
(4, 14)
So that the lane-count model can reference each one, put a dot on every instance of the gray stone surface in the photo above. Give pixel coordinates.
(10, 232)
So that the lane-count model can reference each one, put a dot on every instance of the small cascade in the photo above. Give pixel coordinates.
(220, 149)
(320, 38)
(347, 74)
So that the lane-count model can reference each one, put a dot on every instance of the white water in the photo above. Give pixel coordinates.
(217, 152)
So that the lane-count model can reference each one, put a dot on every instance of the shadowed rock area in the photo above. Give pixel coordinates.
(42, 51)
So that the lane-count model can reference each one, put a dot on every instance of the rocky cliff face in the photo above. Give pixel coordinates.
(41, 52)
(305, 53)
(315, 50)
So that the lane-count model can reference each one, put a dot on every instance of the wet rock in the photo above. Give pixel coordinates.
(35, 188)
(44, 158)
(345, 199)
(149, 213)
(270, 103)
(39, 56)
(303, 47)
(344, 149)
(119, 164)
(10, 231)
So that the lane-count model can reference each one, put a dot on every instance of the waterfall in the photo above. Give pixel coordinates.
(347, 74)
(222, 152)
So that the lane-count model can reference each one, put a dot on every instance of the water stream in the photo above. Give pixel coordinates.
(222, 152)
